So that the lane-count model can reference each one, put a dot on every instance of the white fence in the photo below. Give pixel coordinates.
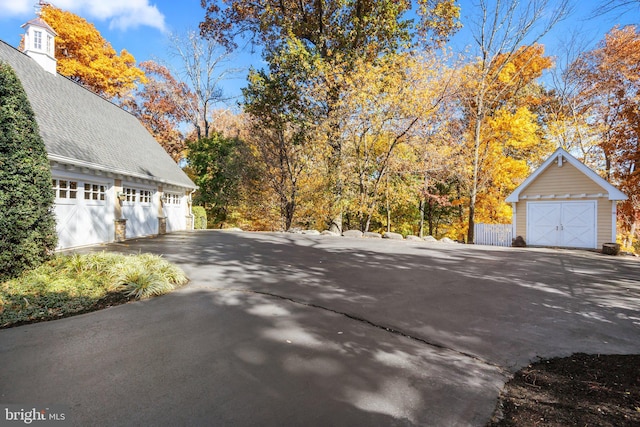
(493, 234)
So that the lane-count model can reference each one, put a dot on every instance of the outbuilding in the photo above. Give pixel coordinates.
(564, 203)
(112, 180)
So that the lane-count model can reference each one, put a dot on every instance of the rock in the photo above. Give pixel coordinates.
(611, 248)
(447, 240)
(329, 233)
(372, 235)
(311, 232)
(352, 233)
(414, 238)
(518, 242)
(430, 239)
(295, 230)
(394, 236)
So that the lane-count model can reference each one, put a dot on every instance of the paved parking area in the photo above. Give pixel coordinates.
(284, 329)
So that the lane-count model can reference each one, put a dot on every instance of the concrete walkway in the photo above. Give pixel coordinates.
(283, 329)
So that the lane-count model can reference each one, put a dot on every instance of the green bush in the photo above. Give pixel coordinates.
(200, 217)
(26, 200)
(70, 284)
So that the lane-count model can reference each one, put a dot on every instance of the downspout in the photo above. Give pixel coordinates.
(191, 215)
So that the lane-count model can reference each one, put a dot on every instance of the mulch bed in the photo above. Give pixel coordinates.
(580, 390)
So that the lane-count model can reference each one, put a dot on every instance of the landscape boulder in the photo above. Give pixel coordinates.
(352, 233)
(430, 239)
(413, 238)
(394, 236)
(372, 235)
(329, 233)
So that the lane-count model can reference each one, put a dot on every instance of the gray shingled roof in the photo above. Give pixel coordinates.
(81, 127)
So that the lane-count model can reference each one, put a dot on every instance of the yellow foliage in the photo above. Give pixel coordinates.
(86, 57)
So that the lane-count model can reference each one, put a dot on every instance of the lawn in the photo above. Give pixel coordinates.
(74, 284)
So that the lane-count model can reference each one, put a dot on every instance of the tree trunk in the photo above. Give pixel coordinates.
(421, 208)
(476, 169)
(430, 218)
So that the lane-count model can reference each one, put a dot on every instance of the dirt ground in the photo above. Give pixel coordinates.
(580, 390)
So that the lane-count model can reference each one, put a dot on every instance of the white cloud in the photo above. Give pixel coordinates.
(121, 14)
(11, 8)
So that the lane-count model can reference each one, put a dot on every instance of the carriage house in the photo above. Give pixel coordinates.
(111, 178)
(565, 204)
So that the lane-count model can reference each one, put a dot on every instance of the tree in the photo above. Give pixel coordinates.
(565, 111)
(26, 201)
(280, 132)
(202, 60)
(163, 104)
(86, 57)
(382, 104)
(329, 38)
(219, 165)
(502, 29)
(610, 83)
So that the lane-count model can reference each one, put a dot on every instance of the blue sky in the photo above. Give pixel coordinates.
(142, 26)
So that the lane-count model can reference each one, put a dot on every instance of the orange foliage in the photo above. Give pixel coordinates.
(610, 81)
(86, 57)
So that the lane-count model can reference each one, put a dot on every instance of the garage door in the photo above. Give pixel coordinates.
(567, 224)
(82, 214)
(175, 212)
(140, 210)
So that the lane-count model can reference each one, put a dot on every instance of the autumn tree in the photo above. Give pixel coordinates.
(609, 81)
(281, 131)
(330, 37)
(383, 104)
(163, 104)
(499, 35)
(565, 111)
(86, 57)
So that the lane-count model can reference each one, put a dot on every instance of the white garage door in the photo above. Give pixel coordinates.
(175, 212)
(567, 224)
(140, 210)
(82, 214)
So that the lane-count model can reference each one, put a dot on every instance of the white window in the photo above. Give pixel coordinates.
(94, 192)
(64, 189)
(171, 199)
(130, 194)
(49, 44)
(145, 196)
(37, 40)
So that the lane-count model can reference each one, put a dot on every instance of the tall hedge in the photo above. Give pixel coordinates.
(27, 223)
(200, 217)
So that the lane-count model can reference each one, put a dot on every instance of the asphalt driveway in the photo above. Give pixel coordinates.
(284, 329)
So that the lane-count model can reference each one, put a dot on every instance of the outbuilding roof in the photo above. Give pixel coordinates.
(39, 22)
(81, 128)
(613, 192)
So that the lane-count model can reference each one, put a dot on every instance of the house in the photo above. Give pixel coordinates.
(111, 178)
(565, 204)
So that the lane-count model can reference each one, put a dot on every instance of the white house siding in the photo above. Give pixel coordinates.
(83, 209)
